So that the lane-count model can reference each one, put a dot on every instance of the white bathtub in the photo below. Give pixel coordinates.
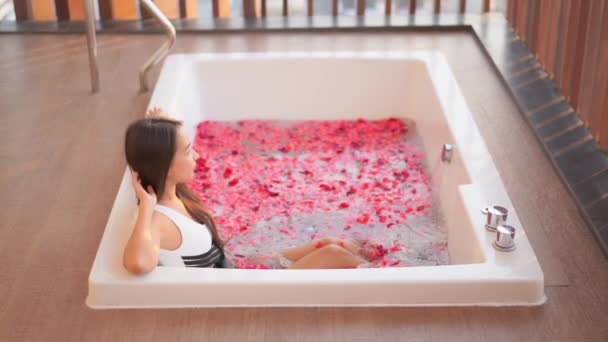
(332, 85)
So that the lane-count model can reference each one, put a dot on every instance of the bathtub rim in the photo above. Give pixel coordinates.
(526, 262)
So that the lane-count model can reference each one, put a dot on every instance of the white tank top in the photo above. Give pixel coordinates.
(197, 248)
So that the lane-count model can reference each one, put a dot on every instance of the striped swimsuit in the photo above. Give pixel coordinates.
(197, 248)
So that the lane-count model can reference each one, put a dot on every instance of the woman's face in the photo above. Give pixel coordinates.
(184, 161)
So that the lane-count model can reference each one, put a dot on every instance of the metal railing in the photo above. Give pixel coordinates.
(89, 10)
(163, 50)
(64, 10)
(158, 55)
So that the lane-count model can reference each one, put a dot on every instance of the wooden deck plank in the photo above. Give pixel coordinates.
(66, 134)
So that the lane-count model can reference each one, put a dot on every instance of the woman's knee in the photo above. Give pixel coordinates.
(339, 257)
(331, 241)
(324, 242)
(334, 250)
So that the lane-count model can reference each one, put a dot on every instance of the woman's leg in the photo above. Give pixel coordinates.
(350, 246)
(296, 253)
(329, 256)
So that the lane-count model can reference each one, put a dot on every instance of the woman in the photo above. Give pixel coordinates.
(173, 227)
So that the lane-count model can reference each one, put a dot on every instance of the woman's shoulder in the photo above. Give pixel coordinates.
(169, 235)
(160, 222)
(159, 218)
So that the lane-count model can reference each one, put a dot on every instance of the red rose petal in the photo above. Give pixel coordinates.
(325, 187)
(227, 173)
(363, 219)
(308, 180)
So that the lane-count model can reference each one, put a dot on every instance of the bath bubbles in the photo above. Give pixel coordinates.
(273, 185)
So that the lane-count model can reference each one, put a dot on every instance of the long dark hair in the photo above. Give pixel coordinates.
(150, 145)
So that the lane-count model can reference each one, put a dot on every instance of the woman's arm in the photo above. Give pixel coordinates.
(295, 253)
(143, 248)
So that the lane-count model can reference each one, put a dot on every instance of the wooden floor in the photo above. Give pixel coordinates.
(62, 160)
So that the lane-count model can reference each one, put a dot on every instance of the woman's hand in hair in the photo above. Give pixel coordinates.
(148, 197)
(156, 112)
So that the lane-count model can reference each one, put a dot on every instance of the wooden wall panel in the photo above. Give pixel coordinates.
(69, 10)
(573, 86)
(543, 25)
(603, 132)
(76, 8)
(188, 9)
(512, 12)
(552, 37)
(251, 8)
(521, 18)
(43, 10)
(590, 61)
(124, 9)
(562, 33)
(221, 8)
(570, 48)
(105, 9)
(62, 11)
(20, 7)
(360, 7)
(170, 8)
(533, 24)
(599, 105)
(570, 39)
